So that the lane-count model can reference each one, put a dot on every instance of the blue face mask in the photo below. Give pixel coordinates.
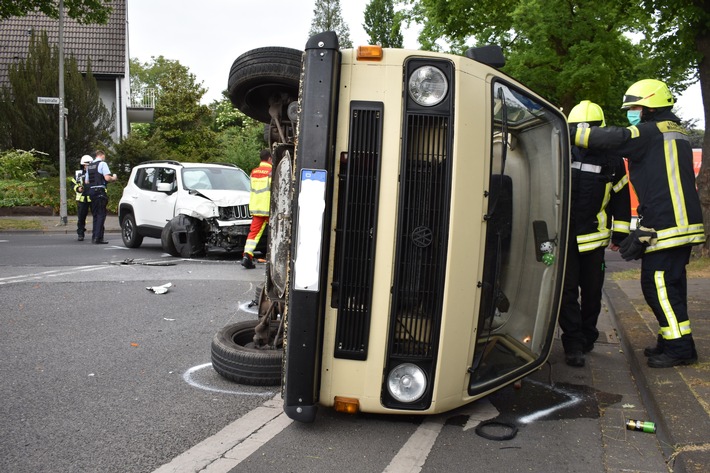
(634, 116)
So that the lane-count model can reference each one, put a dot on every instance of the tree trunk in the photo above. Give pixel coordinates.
(702, 42)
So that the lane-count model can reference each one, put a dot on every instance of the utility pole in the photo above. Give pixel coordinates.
(62, 118)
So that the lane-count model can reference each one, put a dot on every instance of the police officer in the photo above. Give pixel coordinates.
(670, 217)
(259, 202)
(601, 213)
(83, 201)
(98, 176)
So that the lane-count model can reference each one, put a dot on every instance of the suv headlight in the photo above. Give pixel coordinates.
(406, 382)
(428, 86)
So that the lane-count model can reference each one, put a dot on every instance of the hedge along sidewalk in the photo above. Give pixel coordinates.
(52, 224)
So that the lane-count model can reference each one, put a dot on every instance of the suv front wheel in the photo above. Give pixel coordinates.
(129, 232)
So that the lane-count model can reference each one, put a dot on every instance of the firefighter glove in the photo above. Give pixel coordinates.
(635, 244)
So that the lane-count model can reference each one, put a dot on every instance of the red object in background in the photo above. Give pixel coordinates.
(697, 161)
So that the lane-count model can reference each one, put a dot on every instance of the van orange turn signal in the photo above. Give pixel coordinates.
(347, 405)
(369, 53)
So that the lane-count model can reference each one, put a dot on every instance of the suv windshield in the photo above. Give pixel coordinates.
(231, 179)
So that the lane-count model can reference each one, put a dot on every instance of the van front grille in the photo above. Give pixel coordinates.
(356, 230)
(422, 238)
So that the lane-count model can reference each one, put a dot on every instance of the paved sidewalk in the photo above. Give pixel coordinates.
(677, 399)
(52, 224)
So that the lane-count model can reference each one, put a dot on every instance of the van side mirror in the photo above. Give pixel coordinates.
(491, 55)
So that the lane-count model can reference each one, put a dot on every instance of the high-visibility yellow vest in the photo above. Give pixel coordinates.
(260, 197)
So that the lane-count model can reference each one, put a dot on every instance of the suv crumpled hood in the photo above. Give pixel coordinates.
(224, 198)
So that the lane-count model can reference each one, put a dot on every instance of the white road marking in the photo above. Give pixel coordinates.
(231, 445)
(48, 274)
(413, 454)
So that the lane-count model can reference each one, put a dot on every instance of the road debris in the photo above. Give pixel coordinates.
(160, 289)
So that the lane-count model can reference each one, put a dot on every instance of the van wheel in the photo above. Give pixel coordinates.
(129, 232)
(166, 240)
(235, 357)
(262, 77)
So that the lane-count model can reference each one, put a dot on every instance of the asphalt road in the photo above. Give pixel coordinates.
(99, 374)
(93, 363)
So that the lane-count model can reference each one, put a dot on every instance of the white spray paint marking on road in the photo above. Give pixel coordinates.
(187, 376)
(573, 399)
(231, 445)
(244, 306)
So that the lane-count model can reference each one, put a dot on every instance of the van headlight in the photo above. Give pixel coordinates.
(406, 382)
(428, 86)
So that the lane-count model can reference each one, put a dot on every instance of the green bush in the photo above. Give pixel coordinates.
(18, 164)
(44, 192)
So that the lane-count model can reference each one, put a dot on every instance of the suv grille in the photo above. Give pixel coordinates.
(236, 212)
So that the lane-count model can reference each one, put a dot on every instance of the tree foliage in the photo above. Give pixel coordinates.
(182, 124)
(578, 49)
(327, 16)
(184, 129)
(29, 125)
(84, 11)
(382, 24)
(566, 50)
(679, 37)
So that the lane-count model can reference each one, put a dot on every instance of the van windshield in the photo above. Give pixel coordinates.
(525, 209)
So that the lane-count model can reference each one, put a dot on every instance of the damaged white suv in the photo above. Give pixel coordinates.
(189, 206)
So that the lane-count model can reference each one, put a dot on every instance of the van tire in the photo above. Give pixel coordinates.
(259, 74)
(234, 359)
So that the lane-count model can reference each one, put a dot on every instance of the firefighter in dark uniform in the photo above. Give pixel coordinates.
(670, 217)
(600, 215)
(83, 201)
(99, 176)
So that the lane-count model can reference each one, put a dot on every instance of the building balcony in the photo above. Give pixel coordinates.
(141, 106)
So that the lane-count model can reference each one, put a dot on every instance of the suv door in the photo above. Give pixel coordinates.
(156, 208)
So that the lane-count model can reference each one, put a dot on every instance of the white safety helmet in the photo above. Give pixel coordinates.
(86, 159)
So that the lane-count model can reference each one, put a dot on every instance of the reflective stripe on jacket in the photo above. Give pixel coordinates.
(260, 197)
(661, 171)
(79, 196)
(601, 204)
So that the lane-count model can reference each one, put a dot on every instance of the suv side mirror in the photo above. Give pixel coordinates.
(166, 187)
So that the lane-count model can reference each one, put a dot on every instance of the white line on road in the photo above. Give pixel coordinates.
(231, 445)
(48, 274)
(413, 454)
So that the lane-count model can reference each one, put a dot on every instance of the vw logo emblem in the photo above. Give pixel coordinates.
(422, 236)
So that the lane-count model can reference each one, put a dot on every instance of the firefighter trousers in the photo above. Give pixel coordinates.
(581, 299)
(664, 283)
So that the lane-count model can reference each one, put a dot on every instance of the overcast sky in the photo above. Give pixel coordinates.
(208, 35)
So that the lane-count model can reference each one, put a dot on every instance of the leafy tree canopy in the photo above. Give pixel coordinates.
(84, 11)
(29, 125)
(566, 50)
(382, 24)
(327, 16)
